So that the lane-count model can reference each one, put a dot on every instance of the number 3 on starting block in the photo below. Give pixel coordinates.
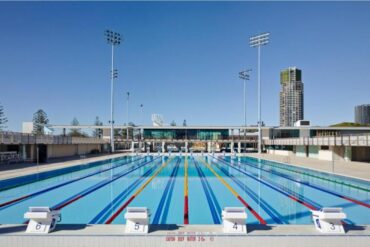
(329, 220)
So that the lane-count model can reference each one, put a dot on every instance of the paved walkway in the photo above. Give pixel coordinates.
(359, 170)
(22, 169)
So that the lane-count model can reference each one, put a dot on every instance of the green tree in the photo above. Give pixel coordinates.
(40, 119)
(3, 119)
(347, 124)
(98, 133)
(132, 124)
(76, 132)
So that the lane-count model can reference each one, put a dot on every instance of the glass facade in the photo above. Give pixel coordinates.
(190, 134)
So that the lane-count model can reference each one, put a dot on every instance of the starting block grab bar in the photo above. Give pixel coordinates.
(329, 220)
(42, 219)
(137, 220)
(233, 220)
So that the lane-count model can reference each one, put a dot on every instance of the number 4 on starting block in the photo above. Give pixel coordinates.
(233, 220)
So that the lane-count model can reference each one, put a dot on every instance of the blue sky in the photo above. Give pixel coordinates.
(181, 59)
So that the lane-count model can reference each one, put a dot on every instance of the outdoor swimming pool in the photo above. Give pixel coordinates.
(185, 190)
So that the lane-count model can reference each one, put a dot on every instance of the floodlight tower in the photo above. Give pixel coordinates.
(113, 39)
(244, 75)
(258, 41)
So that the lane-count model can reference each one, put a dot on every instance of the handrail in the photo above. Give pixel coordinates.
(335, 140)
(7, 137)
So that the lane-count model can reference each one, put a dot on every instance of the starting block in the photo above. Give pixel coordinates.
(42, 219)
(329, 220)
(137, 220)
(233, 220)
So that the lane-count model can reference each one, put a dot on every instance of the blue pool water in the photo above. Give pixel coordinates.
(185, 189)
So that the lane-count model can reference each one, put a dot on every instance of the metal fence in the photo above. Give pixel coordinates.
(21, 138)
(7, 157)
(339, 140)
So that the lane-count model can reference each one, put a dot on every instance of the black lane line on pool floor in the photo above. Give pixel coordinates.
(310, 185)
(211, 198)
(265, 206)
(99, 185)
(166, 197)
(25, 197)
(137, 192)
(108, 209)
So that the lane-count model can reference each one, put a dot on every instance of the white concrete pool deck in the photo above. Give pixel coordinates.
(33, 168)
(183, 235)
(359, 170)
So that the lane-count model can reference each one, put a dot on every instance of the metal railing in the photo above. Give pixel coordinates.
(8, 157)
(22, 138)
(362, 139)
(197, 140)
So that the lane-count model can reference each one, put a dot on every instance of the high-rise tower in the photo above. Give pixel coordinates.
(362, 114)
(291, 96)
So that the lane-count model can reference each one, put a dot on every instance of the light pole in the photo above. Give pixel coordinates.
(113, 39)
(141, 113)
(141, 121)
(127, 112)
(244, 75)
(258, 41)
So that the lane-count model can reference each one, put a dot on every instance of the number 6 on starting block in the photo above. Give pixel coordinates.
(42, 219)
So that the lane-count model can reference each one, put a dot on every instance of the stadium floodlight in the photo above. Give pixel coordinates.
(113, 39)
(258, 41)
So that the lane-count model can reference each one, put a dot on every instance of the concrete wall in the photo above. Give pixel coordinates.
(361, 154)
(300, 151)
(337, 153)
(325, 155)
(313, 151)
(280, 152)
(64, 150)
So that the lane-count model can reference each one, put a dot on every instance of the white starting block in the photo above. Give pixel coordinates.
(233, 220)
(329, 220)
(137, 220)
(41, 219)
